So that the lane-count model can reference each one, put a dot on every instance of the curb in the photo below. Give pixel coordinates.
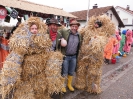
(111, 71)
(112, 76)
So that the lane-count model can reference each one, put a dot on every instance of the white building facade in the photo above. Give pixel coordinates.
(113, 18)
(126, 16)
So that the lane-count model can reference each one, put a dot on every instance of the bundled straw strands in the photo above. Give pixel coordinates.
(90, 57)
(31, 70)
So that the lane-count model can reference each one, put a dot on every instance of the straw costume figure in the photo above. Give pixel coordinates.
(90, 60)
(32, 70)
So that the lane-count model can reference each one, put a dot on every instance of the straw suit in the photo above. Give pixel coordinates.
(90, 59)
(31, 70)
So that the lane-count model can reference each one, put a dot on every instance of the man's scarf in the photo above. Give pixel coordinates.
(53, 35)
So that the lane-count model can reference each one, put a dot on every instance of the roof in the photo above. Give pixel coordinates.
(97, 11)
(129, 11)
(29, 6)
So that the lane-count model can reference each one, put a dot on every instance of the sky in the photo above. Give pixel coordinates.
(78, 5)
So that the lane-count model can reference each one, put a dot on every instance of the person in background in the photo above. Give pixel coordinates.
(6, 35)
(128, 42)
(122, 42)
(119, 31)
(117, 46)
(132, 37)
(132, 32)
(1, 65)
(108, 50)
(68, 42)
(4, 47)
(52, 31)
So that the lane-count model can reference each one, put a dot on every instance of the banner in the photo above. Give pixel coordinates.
(3, 12)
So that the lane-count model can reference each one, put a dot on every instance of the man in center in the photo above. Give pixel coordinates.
(70, 51)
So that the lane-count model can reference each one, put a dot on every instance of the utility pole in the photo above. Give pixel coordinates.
(87, 17)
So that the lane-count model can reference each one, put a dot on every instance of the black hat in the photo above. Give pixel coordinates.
(53, 21)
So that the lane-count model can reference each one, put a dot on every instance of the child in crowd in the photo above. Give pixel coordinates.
(128, 42)
(108, 50)
(122, 42)
(117, 46)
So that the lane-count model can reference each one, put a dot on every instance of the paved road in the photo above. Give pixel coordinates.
(119, 85)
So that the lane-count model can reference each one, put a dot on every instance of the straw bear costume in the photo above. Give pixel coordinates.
(31, 70)
(90, 60)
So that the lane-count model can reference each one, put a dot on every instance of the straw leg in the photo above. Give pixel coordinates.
(80, 81)
(94, 80)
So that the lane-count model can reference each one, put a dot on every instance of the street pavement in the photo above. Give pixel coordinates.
(116, 82)
(119, 86)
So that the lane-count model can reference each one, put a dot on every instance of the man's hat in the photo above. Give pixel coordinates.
(74, 22)
(53, 21)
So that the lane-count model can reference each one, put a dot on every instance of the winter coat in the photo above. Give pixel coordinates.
(64, 33)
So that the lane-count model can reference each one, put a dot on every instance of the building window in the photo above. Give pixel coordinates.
(111, 16)
(118, 12)
(107, 14)
(125, 21)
